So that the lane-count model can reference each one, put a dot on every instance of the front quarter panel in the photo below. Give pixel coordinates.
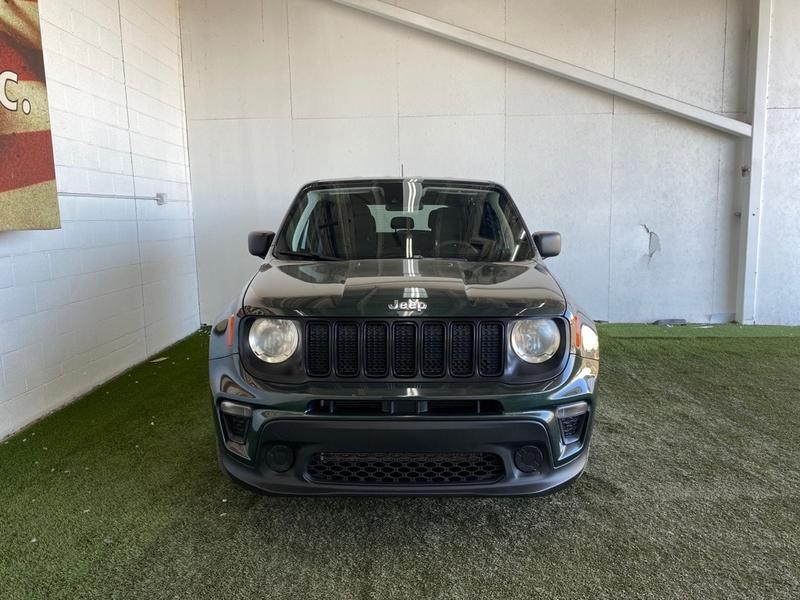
(223, 339)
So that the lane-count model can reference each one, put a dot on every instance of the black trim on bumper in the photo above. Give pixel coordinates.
(309, 435)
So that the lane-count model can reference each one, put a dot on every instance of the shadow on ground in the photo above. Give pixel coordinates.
(691, 492)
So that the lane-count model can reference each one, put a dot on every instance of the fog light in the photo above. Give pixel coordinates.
(528, 459)
(280, 458)
(572, 421)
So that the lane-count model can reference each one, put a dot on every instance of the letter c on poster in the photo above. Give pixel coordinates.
(5, 101)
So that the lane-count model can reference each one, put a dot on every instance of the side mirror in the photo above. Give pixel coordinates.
(258, 242)
(548, 243)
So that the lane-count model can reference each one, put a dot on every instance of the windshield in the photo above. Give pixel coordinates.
(404, 219)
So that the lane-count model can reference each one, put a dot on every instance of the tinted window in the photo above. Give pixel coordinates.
(405, 219)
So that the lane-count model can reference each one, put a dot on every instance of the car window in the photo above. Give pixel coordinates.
(405, 219)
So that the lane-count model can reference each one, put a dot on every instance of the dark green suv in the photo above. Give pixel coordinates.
(403, 336)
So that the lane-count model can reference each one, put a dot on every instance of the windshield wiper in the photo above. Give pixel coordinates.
(306, 255)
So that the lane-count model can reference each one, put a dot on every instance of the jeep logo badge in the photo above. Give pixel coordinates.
(412, 305)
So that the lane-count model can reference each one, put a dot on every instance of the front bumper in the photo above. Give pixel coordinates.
(279, 419)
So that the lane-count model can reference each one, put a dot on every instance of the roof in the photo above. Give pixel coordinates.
(391, 179)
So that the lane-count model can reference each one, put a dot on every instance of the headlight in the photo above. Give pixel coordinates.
(535, 340)
(273, 340)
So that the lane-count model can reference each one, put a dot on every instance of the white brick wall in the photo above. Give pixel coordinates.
(117, 283)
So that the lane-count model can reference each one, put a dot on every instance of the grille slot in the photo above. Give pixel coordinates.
(347, 349)
(318, 351)
(490, 355)
(376, 349)
(433, 364)
(404, 359)
(236, 427)
(361, 468)
(462, 342)
(572, 428)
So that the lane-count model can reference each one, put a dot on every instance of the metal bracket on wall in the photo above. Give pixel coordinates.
(160, 198)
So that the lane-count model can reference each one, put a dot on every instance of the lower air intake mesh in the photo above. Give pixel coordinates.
(405, 468)
(572, 428)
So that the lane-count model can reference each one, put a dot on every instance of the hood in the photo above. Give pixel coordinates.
(383, 288)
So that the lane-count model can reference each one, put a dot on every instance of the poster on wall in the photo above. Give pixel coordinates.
(28, 198)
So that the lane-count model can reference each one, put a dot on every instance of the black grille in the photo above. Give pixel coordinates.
(464, 407)
(405, 468)
(572, 428)
(347, 349)
(433, 349)
(376, 348)
(405, 407)
(462, 344)
(235, 427)
(491, 349)
(405, 349)
(318, 349)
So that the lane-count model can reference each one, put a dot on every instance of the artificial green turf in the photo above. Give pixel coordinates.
(637, 330)
(691, 492)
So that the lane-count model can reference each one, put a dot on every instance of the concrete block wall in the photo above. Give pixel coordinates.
(280, 92)
(117, 282)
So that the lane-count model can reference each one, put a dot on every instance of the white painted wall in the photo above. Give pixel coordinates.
(117, 282)
(778, 292)
(280, 92)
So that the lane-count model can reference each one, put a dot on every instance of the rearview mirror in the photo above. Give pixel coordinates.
(402, 223)
(548, 243)
(258, 242)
